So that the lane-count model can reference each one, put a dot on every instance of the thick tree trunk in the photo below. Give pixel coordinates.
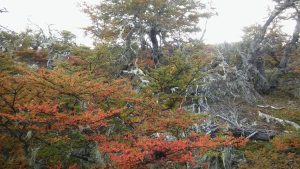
(155, 48)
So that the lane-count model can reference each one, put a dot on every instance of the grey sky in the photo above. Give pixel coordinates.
(233, 15)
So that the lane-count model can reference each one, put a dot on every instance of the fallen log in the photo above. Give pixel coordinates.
(268, 106)
(250, 133)
(270, 118)
(253, 134)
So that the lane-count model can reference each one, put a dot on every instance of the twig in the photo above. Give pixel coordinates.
(251, 135)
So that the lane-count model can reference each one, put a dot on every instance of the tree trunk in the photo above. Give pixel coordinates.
(50, 59)
(155, 47)
(257, 72)
(143, 44)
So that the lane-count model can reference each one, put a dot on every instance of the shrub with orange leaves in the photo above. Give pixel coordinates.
(139, 152)
(36, 104)
(134, 130)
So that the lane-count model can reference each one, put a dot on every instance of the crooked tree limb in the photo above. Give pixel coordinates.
(255, 46)
(256, 61)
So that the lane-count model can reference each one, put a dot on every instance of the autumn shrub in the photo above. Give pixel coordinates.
(42, 109)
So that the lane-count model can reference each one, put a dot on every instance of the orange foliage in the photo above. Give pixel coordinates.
(133, 152)
(54, 101)
(36, 99)
(33, 104)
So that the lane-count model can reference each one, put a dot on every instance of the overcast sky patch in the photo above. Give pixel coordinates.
(233, 16)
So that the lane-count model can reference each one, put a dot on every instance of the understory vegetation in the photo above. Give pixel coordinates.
(147, 95)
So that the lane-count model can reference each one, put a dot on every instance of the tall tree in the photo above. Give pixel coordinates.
(141, 22)
(256, 61)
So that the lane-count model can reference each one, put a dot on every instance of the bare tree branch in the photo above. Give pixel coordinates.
(3, 10)
(204, 31)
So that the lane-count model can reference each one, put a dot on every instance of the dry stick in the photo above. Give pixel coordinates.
(251, 135)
